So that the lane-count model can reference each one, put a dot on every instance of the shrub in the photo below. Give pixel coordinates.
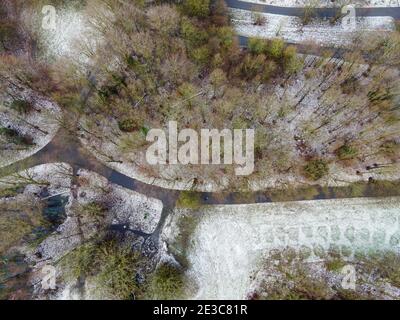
(334, 264)
(290, 53)
(13, 136)
(11, 191)
(198, 8)
(350, 85)
(164, 19)
(128, 125)
(219, 12)
(388, 265)
(193, 36)
(80, 262)
(294, 283)
(384, 265)
(94, 210)
(226, 36)
(390, 148)
(295, 279)
(8, 35)
(118, 270)
(309, 13)
(275, 48)
(167, 283)
(257, 45)
(252, 66)
(22, 106)
(112, 267)
(270, 68)
(291, 62)
(346, 152)
(201, 55)
(397, 25)
(186, 227)
(258, 19)
(17, 222)
(316, 169)
(186, 90)
(217, 79)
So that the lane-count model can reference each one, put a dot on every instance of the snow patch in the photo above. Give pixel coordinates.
(230, 241)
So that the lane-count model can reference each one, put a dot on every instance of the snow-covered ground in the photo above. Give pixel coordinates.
(70, 26)
(328, 3)
(55, 176)
(292, 30)
(41, 125)
(68, 35)
(136, 210)
(230, 241)
(63, 29)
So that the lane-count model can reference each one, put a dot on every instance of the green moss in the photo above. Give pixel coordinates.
(291, 194)
(189, 199)
(357, 189)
